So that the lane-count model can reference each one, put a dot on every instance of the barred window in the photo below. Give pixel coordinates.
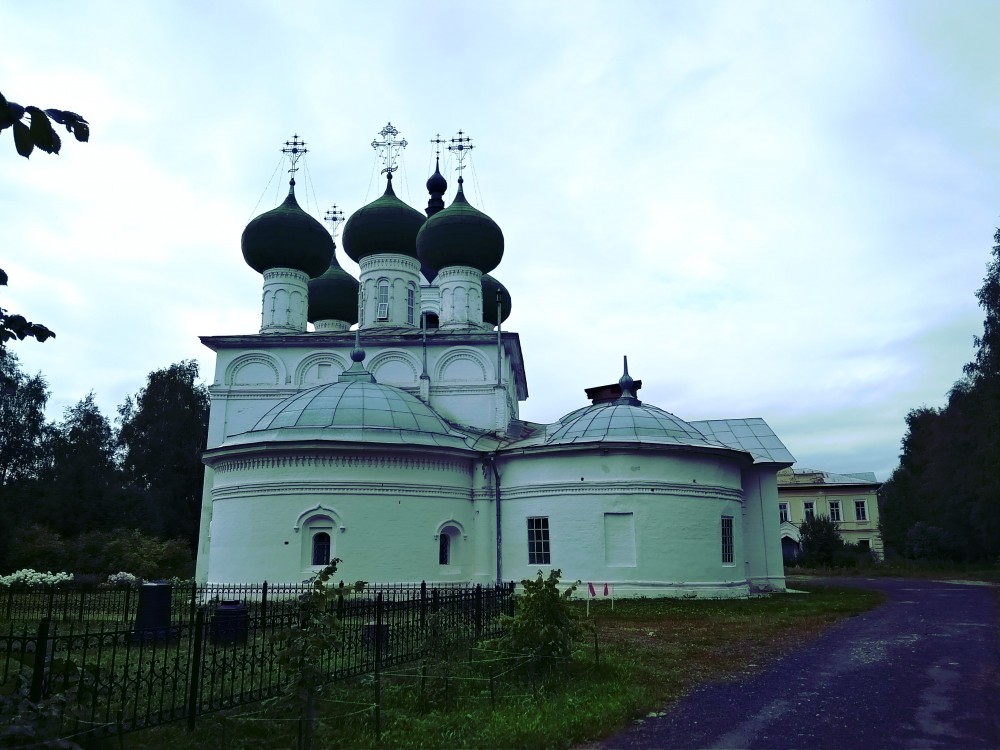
(538, 541)
(728, 558)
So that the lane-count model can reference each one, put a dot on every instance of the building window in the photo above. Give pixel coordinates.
(860, 510)
(321, 548)
(410, 304)
(538, 541)
(810, 510)
(444, 549)
(782, 512)
(728, 557)
(865, 544)
(835, 511)
(382, 311)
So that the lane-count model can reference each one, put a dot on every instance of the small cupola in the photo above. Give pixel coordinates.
(333, 297)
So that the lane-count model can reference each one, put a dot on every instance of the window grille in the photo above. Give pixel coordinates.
(728, 557)
(539, 552)
(444, 548)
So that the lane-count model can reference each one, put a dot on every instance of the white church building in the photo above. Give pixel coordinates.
(397, 446)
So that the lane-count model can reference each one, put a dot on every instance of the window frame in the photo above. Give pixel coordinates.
(784, 514)
(861, 510)
(382, 300)
(539, 541)
(835, 514)
(444, 548)
(315, 541)
(808, 510)
(411, 303)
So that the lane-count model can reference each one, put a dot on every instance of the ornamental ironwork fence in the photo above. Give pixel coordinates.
(213, 647)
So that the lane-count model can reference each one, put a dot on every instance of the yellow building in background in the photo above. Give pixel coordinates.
(850, 500)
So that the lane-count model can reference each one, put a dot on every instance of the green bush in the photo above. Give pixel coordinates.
(545, 623)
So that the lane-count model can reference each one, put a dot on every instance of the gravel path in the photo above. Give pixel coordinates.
(920, 671)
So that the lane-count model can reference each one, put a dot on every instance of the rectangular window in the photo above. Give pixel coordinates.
(860, 510)
(538, 541)
(865, 544)
(835, 511)
(810, 510)
(783, 512)
(382, 307)
(409, 305)
(727, 541)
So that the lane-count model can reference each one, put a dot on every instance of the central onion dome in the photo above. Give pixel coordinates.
(353, 410)
(460, 235)
(386, 225)
(334, 295)
(287, 237)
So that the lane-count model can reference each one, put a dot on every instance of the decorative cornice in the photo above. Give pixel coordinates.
(342, 489)
(651, 489)
(458, 273)
(277, 274)
(389, 262)
(349, 461)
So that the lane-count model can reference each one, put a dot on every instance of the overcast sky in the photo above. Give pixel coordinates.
(776, 210)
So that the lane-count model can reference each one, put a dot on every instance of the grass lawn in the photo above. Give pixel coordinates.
(651, 653)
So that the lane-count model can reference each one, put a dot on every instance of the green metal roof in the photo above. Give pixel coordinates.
(334, 295)
(386, 225)
(460, 235)
(287, 237)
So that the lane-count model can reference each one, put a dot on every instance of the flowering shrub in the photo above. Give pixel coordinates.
(122, 579)
(34, 579)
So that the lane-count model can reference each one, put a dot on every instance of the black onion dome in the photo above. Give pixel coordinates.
(460, 235)
(436, 183)
(386, 225)
(334, 295)
(287, 237)
(490, 288)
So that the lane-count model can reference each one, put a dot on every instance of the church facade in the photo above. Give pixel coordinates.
(397, 446)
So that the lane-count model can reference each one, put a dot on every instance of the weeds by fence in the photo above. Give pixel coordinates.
(117, 677)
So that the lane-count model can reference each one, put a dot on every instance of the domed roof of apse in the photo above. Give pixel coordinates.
(628, 420)
(287, 237)
(354, 411)
(460, 235)
(334, 295)
(386, 225)
(490, 288)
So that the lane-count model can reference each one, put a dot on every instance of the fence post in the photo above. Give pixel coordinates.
(38, 668)
(378, 663)
(194, 673)
(423, 607)
(263, 605)
(125, 611)
(479, 611)
(52, 597)
(83, 595)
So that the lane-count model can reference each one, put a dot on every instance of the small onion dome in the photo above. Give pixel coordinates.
(460, 235)
(287, 237)
(436, 183)
(386, 225)
(490, 288)
(334, 295)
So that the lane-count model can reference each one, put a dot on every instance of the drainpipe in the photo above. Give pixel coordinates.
(491, 459)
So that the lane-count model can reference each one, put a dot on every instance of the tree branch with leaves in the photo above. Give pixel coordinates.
(32, 126)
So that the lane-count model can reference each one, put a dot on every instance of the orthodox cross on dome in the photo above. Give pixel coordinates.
(295, 149)
(437, 140)
(388, 148)
(336, 217)
(460, 145)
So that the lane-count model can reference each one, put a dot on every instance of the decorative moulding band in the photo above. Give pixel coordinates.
(342, 489)
(355, 461)
(651, 489)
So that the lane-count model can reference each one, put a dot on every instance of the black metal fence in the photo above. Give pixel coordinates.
(212, 647)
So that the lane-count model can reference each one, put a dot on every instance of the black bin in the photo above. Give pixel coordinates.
(230, 623)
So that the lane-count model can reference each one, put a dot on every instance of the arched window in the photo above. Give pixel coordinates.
(321, 548)
(382, 300)
(444, 548)
(411, 298)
